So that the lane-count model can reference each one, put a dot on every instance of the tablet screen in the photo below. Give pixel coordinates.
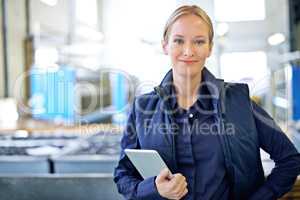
(147, 162)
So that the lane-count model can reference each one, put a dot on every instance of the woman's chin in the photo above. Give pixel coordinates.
(188, 73)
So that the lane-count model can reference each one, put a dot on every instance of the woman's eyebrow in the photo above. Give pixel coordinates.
(177, 35)
(200, 36)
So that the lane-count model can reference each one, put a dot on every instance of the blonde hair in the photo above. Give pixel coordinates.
(188, 10)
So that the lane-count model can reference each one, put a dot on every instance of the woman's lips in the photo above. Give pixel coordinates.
(188, 61)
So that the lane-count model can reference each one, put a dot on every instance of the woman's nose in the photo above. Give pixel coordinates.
(188, 50)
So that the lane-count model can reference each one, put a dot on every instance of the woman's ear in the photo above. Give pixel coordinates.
(164, 45)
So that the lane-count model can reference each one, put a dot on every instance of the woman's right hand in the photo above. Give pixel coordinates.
(171, 186)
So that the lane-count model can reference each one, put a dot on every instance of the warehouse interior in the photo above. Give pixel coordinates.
(70, 70)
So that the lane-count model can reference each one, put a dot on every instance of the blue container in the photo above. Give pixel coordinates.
(119, 99)
(119, 93)
(296, 92)
(52, 93)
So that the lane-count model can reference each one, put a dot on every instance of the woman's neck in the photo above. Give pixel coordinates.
(187, 89)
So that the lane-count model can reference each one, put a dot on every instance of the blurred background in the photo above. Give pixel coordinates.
(69, 70)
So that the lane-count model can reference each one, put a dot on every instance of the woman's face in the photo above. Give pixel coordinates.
(188, 45)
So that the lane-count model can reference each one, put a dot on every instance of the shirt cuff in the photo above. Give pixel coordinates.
(147, 190)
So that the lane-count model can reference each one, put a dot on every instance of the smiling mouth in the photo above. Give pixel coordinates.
(188, 61)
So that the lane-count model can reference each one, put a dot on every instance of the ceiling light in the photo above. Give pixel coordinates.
(276, 39)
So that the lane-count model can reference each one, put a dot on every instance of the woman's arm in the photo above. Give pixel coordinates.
(282, 151)
(129, 182)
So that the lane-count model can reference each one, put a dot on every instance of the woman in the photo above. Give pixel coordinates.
(208, 132)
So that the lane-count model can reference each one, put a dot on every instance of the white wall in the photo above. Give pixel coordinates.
(252, 35)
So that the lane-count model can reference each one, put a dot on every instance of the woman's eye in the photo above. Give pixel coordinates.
(178, 41)
(199, 42)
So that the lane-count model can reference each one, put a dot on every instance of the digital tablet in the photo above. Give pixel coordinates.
(147, 162)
